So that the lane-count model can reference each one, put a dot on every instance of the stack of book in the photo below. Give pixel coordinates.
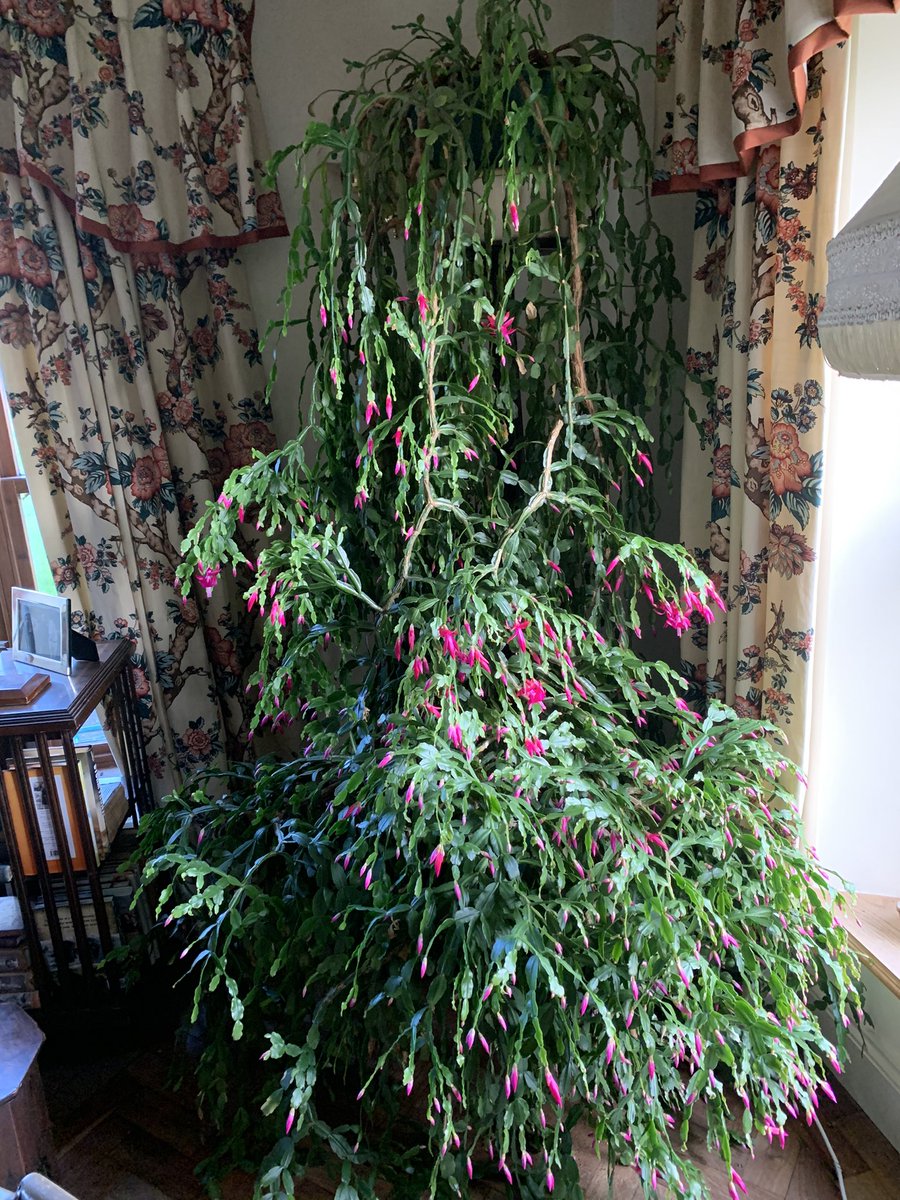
(127, 918)
(105, 801)
(16, 979)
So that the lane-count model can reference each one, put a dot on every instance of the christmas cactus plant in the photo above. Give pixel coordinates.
(510, 883)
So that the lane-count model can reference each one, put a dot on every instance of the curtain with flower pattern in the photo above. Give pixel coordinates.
(753, 468)
(750, 111)
(733, 79)
(131, 173)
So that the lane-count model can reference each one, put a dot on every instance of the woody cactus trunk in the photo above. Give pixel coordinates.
(510, 875)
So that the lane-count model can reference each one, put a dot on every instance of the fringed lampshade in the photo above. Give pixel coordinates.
(860, 327)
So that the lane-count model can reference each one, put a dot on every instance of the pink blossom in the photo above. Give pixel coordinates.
(534, 747)
(371, 409)
(455, 734)
(437, 859)
(451, 646)
(514, 216)
(737, 1179)
(518, 634)
(553, 1088)
(474, 384)
(207, 577)
(551, 1182)
(532, 692)
(323, 315)
(423, 306)
(712, 594)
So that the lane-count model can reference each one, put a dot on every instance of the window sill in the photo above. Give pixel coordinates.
(875, 934)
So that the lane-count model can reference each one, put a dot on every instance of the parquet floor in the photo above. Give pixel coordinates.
(122, 1135)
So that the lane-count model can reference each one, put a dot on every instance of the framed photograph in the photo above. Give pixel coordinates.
(41, 630)
(40, 803)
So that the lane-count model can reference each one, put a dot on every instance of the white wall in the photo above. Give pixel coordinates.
(298, 53)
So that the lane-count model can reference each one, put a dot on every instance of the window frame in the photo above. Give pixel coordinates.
(16, 568)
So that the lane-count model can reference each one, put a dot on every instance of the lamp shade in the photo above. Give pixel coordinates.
(860, 326)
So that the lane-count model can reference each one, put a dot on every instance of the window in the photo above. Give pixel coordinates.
(854, 778)
(23, 560)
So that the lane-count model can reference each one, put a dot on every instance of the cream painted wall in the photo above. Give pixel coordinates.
(298, 52)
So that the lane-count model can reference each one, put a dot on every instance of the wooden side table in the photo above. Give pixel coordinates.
(55, 716)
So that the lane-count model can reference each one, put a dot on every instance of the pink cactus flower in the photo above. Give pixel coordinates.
(437, 859)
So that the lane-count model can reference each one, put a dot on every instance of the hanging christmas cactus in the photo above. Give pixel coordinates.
(511, 883)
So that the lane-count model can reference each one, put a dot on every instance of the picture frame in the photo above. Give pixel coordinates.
(41, 630)
(40, 806)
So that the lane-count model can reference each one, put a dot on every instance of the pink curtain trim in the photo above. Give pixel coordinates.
(205, 241)
(746, 144)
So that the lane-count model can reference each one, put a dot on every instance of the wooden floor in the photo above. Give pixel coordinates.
(122, 1135)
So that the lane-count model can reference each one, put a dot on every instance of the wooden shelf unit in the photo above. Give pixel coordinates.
(55, 716)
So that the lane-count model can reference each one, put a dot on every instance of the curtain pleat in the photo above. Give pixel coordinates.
(753, 470)
(135, 386)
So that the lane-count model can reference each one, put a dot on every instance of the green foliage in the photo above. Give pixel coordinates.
(512, 883)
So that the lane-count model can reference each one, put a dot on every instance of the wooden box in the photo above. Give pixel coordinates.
(25, 1139)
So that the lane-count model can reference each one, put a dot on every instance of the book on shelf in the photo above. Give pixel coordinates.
(30, 999)
(16, 979)
(14, 958)
(126, 916)
(40, 804)
(12, 927)
(105, 801)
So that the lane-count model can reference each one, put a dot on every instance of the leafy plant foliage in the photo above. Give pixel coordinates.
(512, 883)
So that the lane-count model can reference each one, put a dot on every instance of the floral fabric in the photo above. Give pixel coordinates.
(757, 292)
(130, 150)
(142, 115)
(733, 79)
(136, 387)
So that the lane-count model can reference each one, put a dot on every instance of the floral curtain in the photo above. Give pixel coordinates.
(733, 78)
(753, 469)
(129, 176)
(750, 113)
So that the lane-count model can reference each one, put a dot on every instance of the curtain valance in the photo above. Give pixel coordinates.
(733, 78)
(143, 117)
